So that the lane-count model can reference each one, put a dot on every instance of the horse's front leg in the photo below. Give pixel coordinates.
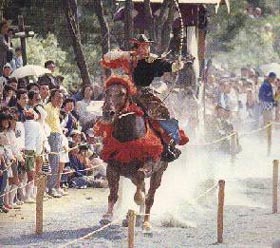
(155, 182)
(113, 177)
(139, 196)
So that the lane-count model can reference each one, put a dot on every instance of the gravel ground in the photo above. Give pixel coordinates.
(76, 215)
(177, 220)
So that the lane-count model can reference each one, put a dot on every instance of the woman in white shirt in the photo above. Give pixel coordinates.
(83, 106)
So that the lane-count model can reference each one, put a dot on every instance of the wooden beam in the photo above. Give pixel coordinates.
(185, 1)
(22, 39)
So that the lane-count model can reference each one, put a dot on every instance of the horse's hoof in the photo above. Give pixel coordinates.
(125, 223)
(147, 228)
(106, 219)
(139, 198)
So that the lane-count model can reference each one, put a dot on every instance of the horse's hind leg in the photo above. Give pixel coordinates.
(113, 177)
(155, 182)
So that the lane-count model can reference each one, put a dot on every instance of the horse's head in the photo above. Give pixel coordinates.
(116, 98)
(117, 92)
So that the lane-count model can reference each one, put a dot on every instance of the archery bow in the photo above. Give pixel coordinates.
(176, 2)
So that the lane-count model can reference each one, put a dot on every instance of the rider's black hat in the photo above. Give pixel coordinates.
(141, 38)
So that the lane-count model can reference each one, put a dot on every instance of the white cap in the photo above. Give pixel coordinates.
(7, 65)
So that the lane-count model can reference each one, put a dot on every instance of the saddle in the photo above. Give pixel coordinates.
(123, 130)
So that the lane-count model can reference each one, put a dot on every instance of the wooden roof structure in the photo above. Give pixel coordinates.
(214, 2)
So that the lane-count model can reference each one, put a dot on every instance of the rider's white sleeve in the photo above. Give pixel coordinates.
(116, 54)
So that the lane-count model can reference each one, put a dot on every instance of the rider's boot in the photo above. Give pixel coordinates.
(170, 152)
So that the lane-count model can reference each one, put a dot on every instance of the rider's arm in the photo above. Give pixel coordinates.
(117, 59)
(115, 55)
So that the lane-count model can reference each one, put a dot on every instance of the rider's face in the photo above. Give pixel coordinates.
(143, 49)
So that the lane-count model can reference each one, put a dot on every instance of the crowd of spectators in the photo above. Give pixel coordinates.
(239, 103)
(44, 129)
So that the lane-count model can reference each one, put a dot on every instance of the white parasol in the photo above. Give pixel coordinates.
(273, 67)
(29, 70)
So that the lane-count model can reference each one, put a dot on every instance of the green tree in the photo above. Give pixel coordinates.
(223, 27)
(252, 46)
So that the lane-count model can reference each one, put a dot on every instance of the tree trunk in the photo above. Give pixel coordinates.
(50, 13)
(70, 8)
(105, 42)
(128, 24)
(99, 11)
(160, 20)
(149, 19)
(167, 28)
(114, 6)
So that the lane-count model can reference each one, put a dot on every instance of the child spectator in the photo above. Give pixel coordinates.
(45, 133)
(17, 152)
(70, 121)
(80, 163)
(33, 144)
(19, 132)
(77, 137)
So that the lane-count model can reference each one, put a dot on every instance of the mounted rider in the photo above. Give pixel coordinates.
(142, 67)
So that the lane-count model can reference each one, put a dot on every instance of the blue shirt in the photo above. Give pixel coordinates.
(266, 92)
(77, 166)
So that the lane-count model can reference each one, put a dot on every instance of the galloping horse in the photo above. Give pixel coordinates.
(130, 147)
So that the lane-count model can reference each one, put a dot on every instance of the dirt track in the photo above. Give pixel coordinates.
(76, 215)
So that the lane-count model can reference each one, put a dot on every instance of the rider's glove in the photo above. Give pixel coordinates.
(177, 66)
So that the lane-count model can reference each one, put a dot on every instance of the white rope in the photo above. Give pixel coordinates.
(255, 131)
(55, 174)
(89, 234)
(205, 193)
(19, 187)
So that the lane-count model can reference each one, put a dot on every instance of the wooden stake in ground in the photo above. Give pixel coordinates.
(269, 138)
(41, 186)
(275, 186)
(131, 228)
(220, 215)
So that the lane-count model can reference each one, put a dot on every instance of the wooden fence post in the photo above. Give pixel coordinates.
(131, 228)
(220, 215)
(41, 186)
(275, 186)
